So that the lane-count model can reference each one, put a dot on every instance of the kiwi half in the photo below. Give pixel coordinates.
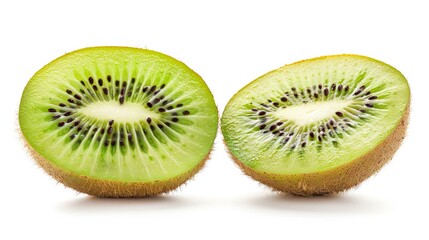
(318, 126)
(118, 121)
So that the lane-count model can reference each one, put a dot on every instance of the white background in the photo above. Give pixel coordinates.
(229, 43)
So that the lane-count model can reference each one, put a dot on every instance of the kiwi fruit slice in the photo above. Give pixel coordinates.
(118, 121)
(318, 126)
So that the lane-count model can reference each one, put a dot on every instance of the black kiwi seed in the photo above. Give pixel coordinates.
(82, 82)
(63, 105)
(333, 87)
(77, 97)
(276, 104)
(339, 114)
(91, 80)
(105, 91)
(149, 120)
(169, 107)
(283, 99)
(109, 78)
(372, 98)
(157, 100)
(111, 122)
(70, 100)
(52, 110)
(69, 120)
(175, 119)
(56, 116)
(340, 87)
(346, 89)
(262, 126)
(149, 104)
(303, 144)
(117, 83)
(161, 109)
(316, 95)
(100, 82)
(369, 105)
(273, 127)
(179, 105)
(145, 89)
(295, 95)
(357, 92)
(76, 123)
(95, 87)
(186, 112)
(110, 130)
(60, 124)
(279, 123)
(261, 113)
(67, 114)
(121, 99)
(69, 91)
(326, 91)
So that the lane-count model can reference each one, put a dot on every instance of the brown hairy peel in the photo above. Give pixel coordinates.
(338, 179)
(112, 189)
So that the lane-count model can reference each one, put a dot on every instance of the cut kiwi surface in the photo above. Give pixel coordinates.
(118, 121)
(318, 126)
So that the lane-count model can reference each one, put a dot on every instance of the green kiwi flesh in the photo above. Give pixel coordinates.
(318, 126)
(118, 121)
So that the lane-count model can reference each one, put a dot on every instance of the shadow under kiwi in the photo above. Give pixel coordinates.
(105, 205)
(341, 203)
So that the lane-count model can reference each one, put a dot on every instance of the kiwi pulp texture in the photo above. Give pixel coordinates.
(318, 126)
(118, 121)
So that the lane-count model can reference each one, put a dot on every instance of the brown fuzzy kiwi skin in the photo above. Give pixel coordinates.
(113, 189)
(338, 179)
